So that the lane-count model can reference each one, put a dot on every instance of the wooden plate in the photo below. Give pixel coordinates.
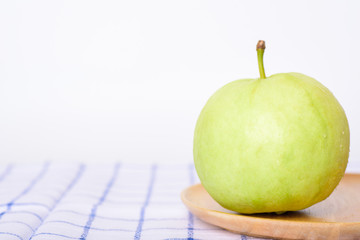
(337, 217)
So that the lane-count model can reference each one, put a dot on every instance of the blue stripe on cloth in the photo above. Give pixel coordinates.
(190, 230)
(101, 200)
(18, 222)
(120, 219)
(122, 229)
(26, 212)
(6, 172)
(27, 189)
(55, 234)
(179, 239)
(28, 204)
(90, 228)
(68, 188)
(11, 234)
(146, 203)
(243, 237)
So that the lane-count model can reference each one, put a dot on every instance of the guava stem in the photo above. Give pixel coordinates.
(260, 48)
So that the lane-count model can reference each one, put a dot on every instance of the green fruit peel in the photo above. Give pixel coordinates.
(272, 144)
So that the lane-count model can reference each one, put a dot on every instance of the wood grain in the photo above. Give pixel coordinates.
(337, 217)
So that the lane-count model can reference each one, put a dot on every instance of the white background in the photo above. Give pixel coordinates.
(126, 80)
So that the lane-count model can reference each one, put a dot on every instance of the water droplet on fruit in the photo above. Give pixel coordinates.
(343, 132)
(324, 136)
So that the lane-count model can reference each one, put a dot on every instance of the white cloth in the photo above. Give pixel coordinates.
(99, 202)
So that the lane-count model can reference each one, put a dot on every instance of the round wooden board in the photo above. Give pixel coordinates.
(337, 217)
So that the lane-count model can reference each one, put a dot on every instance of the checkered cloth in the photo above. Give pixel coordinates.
(99, 201)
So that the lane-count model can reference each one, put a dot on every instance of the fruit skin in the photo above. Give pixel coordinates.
(271, 145)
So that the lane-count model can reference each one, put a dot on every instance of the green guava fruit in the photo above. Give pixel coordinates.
(272, 144)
